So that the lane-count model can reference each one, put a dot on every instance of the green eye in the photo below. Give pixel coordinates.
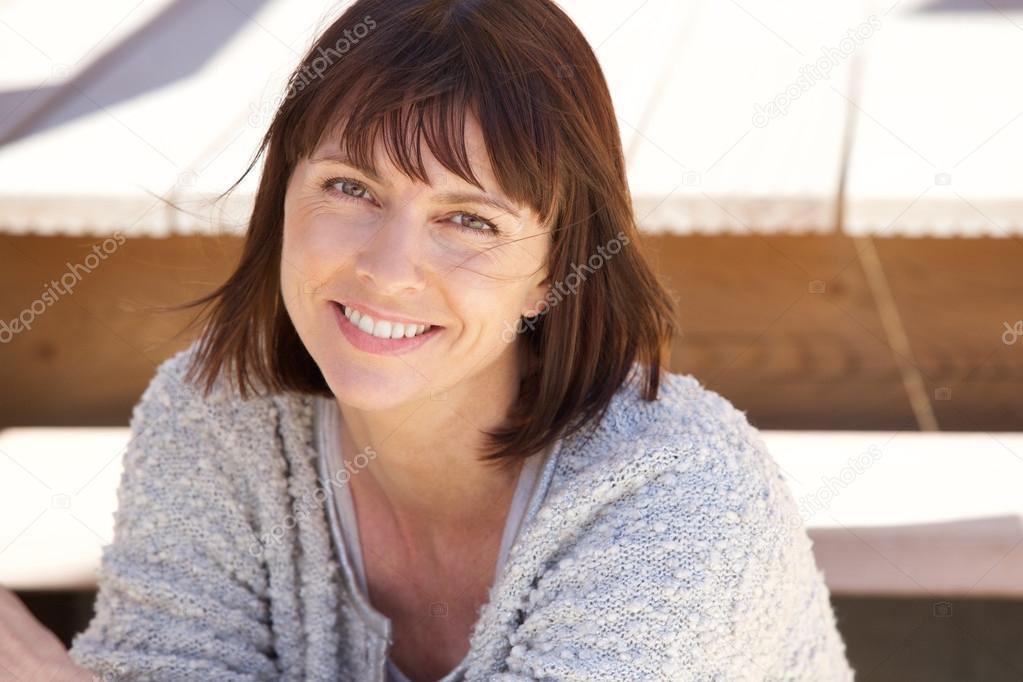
(347, 189)
(474, 223)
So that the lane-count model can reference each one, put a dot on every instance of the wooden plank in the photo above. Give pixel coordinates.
(89, 354)
(959, 300)
(784, 326)
(752, 328)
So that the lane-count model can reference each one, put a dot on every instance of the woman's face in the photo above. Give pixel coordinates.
(408, 255)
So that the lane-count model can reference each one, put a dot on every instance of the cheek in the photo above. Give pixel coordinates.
(320, 244)
(488, 288)
(487, 307)
(487, 267)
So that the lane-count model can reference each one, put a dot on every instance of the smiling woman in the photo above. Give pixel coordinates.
(428, 431)
(439, 165)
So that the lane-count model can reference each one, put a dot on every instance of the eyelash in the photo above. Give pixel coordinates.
(491, 231)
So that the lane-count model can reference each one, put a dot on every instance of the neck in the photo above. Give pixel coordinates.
(423, 469)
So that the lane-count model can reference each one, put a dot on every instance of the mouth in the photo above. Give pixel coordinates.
(380, 335)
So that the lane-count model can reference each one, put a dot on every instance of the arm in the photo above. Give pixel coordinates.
(704, 572)
(179, 597)
(28, 651)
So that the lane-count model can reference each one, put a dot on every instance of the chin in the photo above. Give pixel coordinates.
(367, 387)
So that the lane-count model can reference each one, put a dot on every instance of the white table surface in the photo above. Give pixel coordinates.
(889, 512)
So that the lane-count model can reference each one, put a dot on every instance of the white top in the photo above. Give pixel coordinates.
(330, 432)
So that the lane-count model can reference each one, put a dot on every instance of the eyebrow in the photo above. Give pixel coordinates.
(483, 199)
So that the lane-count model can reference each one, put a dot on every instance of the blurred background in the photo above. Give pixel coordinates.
(833, 190)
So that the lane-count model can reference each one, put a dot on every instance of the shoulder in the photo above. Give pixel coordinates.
(171, 386)
(174, 401)
(180, 431)
(678, 493)
(684, 476)
(690, 440)
(185, 563)
(677, 526)
(206, 461)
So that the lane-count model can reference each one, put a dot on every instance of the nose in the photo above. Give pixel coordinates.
(390, 261)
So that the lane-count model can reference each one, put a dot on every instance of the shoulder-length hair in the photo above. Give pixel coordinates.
(411, 70)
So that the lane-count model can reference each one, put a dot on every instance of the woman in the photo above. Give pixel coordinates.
(427, 432)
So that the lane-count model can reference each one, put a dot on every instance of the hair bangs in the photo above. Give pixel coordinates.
(373, 98)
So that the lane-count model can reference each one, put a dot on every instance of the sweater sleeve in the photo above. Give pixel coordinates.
(701, 570)
(178, 597)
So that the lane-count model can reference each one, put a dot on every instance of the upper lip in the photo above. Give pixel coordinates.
(379, 314)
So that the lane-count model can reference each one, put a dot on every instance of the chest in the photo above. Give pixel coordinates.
(433, 605)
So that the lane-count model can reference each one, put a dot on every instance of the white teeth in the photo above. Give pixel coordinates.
(383, 329)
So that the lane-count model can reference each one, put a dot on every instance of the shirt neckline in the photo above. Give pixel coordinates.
(531, 487)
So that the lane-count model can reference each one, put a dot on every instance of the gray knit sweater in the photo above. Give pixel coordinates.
(667, 547)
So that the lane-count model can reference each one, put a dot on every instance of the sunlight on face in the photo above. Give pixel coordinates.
(465, 262)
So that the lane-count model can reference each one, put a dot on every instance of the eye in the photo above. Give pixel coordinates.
(347, 187)
(469, 222)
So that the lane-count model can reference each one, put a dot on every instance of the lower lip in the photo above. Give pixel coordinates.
(374, 344)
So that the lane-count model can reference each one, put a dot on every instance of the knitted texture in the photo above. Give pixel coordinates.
(668, 547)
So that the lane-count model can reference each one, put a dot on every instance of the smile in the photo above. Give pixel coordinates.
(383, 329)
(381, 336)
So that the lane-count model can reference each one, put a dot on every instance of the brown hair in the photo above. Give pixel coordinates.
(411, 69)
